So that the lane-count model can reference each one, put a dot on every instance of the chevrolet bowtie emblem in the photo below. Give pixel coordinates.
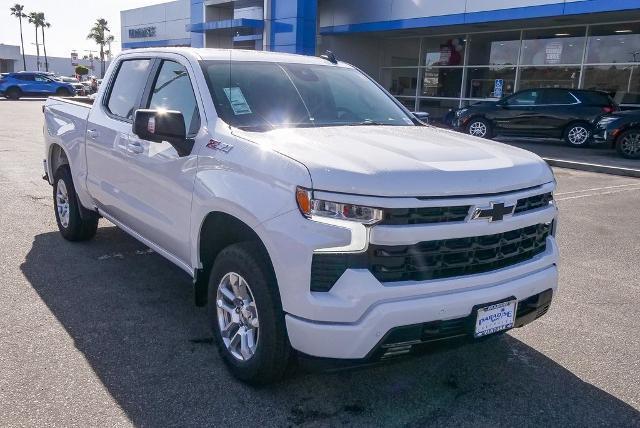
(496, 213)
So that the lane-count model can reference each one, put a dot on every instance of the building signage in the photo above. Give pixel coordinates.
(497, 88)
(553, 52)
(141, 33)
(74, 58)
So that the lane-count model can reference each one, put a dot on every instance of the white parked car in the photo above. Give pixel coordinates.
(315, 214)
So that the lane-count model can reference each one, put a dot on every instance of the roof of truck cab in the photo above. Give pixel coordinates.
(239, 55)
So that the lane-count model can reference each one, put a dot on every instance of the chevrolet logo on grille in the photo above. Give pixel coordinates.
(496, 213)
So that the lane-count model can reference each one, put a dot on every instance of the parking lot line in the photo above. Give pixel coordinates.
(598, 188)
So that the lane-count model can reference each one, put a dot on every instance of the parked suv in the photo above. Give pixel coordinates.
(622, 131)
(549, 112)
(16, 85)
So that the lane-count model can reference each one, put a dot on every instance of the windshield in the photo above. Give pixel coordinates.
(265, 95)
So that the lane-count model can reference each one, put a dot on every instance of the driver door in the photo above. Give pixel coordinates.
(517, 113)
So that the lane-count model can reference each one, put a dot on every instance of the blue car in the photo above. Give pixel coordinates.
(16, 85)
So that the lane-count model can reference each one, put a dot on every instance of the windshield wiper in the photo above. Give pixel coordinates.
(368, 122)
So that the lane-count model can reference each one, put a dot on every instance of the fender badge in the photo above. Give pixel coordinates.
(218, 145)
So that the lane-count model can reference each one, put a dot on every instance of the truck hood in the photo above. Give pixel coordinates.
(405, 160)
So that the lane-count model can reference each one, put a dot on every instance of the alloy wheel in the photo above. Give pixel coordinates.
(630, 144)
(578, 135)
(478, 129)
(237, 316)
(62, 203)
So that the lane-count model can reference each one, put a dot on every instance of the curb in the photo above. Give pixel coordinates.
(593, 167)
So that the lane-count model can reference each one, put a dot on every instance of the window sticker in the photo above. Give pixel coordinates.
(238, 101)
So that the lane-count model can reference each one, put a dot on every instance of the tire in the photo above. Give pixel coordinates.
(75, 222)
(628, 144)
(480, 127)
(578, 135)
(62, 92)
(13, 93)
(257, 313)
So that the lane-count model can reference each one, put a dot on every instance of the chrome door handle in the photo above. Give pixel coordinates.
(135, 147)
(92, 133)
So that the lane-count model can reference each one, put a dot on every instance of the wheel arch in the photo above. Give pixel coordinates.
(56, 157)
(218, 230)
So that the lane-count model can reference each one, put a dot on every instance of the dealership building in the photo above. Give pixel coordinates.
(433, 55)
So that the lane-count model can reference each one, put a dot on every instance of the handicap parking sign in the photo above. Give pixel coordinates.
(497, 88)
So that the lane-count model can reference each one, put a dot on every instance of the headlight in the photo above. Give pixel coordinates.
(310, 208)
(606, 120)
(461, 112)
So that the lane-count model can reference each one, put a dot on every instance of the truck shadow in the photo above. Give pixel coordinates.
(131, 314)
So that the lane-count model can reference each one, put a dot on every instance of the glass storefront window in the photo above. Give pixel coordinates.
(400, 81)
(443, 50)
(491, 82)
(555, 46)
(438, 109)
(401, 52)
(441, 82)
(614, 43)
(549, 77)
(494, 48)
(621, 82)
(409, 103)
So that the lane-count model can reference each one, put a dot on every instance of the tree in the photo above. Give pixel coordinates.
(17, 10)
(44, 45)
(35, 19)
(99, 35)
(81, 70)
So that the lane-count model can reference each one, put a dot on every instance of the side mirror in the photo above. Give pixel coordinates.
(163, 125)
(422, 116)
(159, 125)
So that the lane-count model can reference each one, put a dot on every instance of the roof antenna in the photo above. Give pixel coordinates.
(329, 56)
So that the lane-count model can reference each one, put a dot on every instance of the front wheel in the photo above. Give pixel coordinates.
(577, 135)
(75, 222)
(246, 314)
(13, 93)
(63, 92)
(628, 145)
(479, 127)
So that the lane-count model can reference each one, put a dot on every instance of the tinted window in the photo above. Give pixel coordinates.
(557, 97)
(26, 77)
(173, 91)
(261, 96)
(594, 98)
(42, 79)
(525, 98)
(129, 83)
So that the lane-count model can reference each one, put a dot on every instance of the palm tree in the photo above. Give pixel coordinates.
(34, 18)
(17, 11)
(44, 46)
(99, 35)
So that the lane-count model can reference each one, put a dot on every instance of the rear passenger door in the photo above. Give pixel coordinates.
(558, 107)
(108, 132)
(159, 183)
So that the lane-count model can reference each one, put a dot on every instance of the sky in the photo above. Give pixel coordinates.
(70, 21)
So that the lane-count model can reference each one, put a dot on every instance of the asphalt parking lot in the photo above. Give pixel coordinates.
(105, 333)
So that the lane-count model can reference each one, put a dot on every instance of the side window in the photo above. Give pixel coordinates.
(557, 96)
(25, 77)
(42, 79)
(525, 98)
(172, 90)
(129, 82)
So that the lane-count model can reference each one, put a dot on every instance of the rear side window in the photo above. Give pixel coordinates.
(594, 98)
(129, 82)
(25, 77)
(557, 96)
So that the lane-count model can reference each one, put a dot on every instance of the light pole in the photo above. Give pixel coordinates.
(38, 60)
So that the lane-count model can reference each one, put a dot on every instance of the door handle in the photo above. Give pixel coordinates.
(135, 147)
(92, 133)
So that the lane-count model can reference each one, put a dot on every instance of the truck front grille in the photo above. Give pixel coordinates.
(533, 202)
(439, 259)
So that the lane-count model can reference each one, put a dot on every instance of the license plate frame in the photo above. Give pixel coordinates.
(496, 317)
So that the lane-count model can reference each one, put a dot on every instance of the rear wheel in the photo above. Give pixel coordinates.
(75, 222)
(479, 127)
(628, 145)
(246, 315)
(577, 135)
(13, 93)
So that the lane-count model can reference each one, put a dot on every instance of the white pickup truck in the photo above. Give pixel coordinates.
(314, 212)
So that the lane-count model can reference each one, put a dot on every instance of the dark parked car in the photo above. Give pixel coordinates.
(16, 85)
(553, 113)
(622, 131)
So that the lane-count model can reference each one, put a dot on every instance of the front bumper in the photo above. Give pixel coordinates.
(390, 325)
